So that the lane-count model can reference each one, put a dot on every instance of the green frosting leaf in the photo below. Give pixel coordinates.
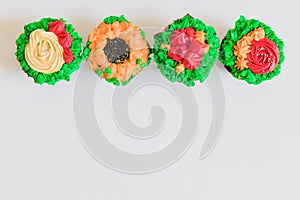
(140, 63)
(86, 51)
(112, 19)
(113, 81)
(99, 72)
(108, 71)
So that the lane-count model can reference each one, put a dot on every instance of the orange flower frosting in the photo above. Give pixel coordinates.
(129, 33)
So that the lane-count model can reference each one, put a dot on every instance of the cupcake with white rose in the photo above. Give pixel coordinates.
(49, 50)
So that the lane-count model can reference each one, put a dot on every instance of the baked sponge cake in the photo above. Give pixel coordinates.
(251, 51)
(186, 50)
(117, 50)
(49, 50)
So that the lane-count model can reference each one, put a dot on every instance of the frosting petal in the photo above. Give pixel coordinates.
(43, 53)
(57, 27)
(263, 57)
(242, 47)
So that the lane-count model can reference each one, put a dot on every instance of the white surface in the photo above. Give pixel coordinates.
(41, 156)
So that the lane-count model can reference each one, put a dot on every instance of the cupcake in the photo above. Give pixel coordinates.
(49, 50)
(186, 50)
(117, 50)
(251, 51)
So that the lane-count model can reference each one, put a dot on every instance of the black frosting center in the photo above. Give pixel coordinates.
(116, 50)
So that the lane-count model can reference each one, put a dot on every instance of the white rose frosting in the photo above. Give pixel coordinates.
(43, 53)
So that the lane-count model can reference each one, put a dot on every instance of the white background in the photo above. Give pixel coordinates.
(41, 156)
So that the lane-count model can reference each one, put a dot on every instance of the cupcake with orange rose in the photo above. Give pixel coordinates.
(252, 52)
(49, 50)
(117, 50)
(186, 50)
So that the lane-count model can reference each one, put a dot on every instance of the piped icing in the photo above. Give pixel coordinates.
(263, 56)
(187, 47)
(116, 50)
(242, 48)
(173, 58)
(43, 52)
(256, 52)
(64, 39)
(253, 71)
(102, 55)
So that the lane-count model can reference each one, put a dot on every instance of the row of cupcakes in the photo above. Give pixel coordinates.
(50, 50)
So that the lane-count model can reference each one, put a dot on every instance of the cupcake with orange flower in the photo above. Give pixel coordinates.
(251, 51)
(186, 50)
(117, 50)
(49, 50)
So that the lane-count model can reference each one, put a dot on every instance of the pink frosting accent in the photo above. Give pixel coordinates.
(64, 39)
(68, 56)
(57, 27)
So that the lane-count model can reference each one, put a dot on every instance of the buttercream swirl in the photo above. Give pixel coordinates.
(43, 53)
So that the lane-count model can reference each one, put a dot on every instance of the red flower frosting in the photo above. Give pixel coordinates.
(64, 39)
(185, 49)
(263, 56)
(68, 56)
(57, 27)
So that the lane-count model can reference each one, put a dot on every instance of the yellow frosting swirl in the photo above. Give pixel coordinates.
(43, 53)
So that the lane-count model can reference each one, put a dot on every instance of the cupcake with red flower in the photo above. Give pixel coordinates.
(117, 50)
(251, 51)
(49, 50)
(186, 50)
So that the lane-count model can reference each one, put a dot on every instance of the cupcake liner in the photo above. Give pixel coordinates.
(251, 51)
(117, 50)
(49, 50)
(186, 50)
